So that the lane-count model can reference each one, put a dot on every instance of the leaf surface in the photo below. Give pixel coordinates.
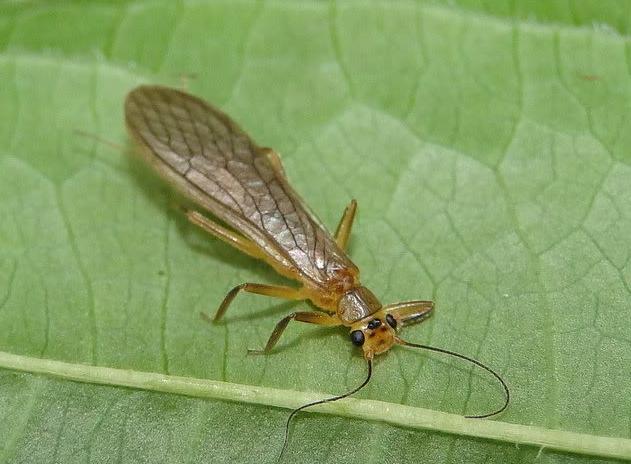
(488, 148)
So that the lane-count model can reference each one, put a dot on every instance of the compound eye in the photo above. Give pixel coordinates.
(357, 337)
(372, 325)
(392, 322)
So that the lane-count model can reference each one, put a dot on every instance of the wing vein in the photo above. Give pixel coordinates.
(212, 161)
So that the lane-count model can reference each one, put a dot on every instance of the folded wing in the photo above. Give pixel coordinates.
(213, 162)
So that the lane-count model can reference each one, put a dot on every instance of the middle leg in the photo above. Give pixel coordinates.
(277, 291)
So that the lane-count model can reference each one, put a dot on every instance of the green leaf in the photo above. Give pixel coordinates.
(488, 146)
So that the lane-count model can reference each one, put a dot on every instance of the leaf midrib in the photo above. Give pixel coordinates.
(396, 414)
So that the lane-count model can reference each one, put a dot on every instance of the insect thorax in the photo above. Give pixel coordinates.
(357, 304)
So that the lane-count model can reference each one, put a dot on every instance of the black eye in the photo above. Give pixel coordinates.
(374, 324)
(391, 321)
(357, 337)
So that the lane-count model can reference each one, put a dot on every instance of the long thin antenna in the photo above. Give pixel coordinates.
(326, 400)
(100, 139)
(473, 361)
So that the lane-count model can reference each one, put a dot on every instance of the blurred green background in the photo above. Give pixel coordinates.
(487, 143)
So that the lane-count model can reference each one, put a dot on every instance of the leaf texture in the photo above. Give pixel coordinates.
(488, 147)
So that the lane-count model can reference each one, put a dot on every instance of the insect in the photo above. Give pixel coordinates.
(214, 163)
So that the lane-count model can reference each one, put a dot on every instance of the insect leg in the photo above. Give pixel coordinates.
(343, 230)
(410, 312)
(230, 237)
(277, 291)
(302, 316)
(274, 160)
(185, 80)
(100, 139)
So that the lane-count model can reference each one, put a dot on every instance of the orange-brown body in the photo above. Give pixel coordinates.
(207, 156)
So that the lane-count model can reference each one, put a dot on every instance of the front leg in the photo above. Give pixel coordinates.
(410, 312)
(302, 316)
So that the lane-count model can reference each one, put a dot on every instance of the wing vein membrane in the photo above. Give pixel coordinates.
(215, 164)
